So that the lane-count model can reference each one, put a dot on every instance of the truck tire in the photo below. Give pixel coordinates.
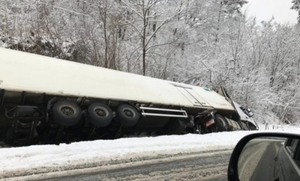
(244, 125)
(238, 126)
(127, 115)
(99, 114)
(66, 113)
(221, 123)
(251, 126)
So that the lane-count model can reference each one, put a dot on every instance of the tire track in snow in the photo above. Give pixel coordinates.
(206, 165)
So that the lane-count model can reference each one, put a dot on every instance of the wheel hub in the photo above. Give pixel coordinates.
(67, 111)
(128, 113)
(101, 112)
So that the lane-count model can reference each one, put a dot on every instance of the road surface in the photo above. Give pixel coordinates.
(256, 163)
(206, 166)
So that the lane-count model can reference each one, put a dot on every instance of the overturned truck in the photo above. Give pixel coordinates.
(46, 100)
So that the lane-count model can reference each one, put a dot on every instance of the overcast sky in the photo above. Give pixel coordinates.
(265, 9)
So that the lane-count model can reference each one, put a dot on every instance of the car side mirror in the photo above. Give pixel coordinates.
(267, 157)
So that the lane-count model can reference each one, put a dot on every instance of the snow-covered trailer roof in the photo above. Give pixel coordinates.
(20, 71)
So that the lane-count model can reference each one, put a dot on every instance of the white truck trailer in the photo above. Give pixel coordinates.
(48, 100)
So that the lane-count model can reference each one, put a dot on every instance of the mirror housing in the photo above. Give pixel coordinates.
(243, 148)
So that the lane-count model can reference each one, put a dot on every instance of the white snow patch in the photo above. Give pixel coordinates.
(51, 158)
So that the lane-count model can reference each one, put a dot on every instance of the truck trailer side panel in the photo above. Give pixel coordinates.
(20, 71)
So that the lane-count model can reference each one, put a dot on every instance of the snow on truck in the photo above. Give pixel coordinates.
(48, 100)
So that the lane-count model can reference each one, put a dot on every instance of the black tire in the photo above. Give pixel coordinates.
(230, 125)
(244, 125)
(221, 123)
(66, 113)
(99, 114)
(251, 126)
(238, 126)
(127, 115)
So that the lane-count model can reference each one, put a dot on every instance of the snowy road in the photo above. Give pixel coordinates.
(201, 166)
(205, 165)
(44, 159)
(47, 161)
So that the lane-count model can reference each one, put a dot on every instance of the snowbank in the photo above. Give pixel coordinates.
(52, 158)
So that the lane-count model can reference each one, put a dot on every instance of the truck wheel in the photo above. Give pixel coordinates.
(99, 114)
(66, 113)
(238, 126)
(221, 123)
(244, 126)
(231, 125)
(127, 115)
(251, 126)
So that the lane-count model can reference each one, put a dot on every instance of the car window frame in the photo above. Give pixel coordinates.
(294, 150)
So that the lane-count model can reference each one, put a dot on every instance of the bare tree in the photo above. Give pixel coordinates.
(149, 17)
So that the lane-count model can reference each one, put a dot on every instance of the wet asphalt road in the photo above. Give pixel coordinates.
(202, 166)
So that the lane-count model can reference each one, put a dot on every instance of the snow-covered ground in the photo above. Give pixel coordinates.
(52, 158)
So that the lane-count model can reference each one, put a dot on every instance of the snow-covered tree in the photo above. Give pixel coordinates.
(296, 6)
(147, 24)
(202, 42)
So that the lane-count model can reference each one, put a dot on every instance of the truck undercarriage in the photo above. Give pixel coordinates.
(33, 118)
